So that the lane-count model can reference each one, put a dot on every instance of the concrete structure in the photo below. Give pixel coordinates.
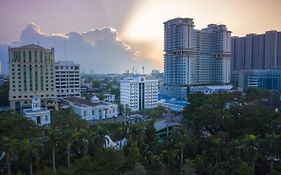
(173, 104)
(109, 97)
(92, 111)
(194, 57)
(265, 79)
(164, 128)
(40, 116)
(255, 51)
(138, 93)
(67, 79)
(31, 72)
(211, 89)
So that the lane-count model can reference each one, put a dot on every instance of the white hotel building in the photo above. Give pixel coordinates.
(138, 93)
(67, 79)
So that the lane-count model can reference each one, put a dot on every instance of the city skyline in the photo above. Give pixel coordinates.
(137, 25)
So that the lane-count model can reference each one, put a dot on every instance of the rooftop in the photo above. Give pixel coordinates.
(79, 101)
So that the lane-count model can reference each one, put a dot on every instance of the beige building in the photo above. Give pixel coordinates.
(31, 73)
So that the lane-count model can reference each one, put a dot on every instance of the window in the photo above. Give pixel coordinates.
(29, 56)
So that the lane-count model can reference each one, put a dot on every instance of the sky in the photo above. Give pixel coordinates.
(126, 32)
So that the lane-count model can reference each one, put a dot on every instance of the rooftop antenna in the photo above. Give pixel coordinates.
(64, 50)
(142, 70)
(133, 66)
(38, 43)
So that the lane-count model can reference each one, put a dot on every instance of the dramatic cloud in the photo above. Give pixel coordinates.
(97, 50)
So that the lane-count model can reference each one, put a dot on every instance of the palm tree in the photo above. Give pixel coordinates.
(70, 136)
(251, 148)
(53, 138)
(9, 146)
(272, 147)
(30, 151)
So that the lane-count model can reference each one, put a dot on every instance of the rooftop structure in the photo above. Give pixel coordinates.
(36, 113)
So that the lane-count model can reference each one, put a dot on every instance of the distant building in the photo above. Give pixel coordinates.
(173, 104)
(264, 79)
(31, 72)
(256, 51)
(92, 110)
(138, 93)
(109, 97)
(40, 116)
(156, 73)
(211, 89)
(67, 79)
(194, 57)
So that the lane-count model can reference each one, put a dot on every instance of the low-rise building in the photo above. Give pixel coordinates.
(91, 110)
(173, 104)
(211, 89)
(36, 113)
(264, 79)
(109, 97)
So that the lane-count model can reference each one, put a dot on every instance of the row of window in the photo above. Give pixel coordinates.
(23, 56)
(42, 96)
(67, 67)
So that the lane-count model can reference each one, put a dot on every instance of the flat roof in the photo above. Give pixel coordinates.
(77, 101)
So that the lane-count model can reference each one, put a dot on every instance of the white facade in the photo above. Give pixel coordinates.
(67, 79)
(40, 116)
(138, 93)
(196, 57)
(92, 111)
(109, 97)
(31, 72)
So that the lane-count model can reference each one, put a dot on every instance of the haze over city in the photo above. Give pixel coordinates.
(105, 33)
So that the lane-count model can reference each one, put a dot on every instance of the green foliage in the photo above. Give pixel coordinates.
(4, 94)
(153, 112)
(253, 93)
(222, 134)
(96, 84)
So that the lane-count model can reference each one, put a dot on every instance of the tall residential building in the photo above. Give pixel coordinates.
(257, 51)
(195, 57)
(138, 93)
(31, 73)
(67, 79)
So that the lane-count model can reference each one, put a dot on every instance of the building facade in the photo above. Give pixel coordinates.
(255, 51)
(195, 57)
(67, 79)
(41, 116)
(138, 93)
(91, 110)
(31, 73)
(264, 79)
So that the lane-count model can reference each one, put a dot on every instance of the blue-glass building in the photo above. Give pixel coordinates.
(265, 79)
